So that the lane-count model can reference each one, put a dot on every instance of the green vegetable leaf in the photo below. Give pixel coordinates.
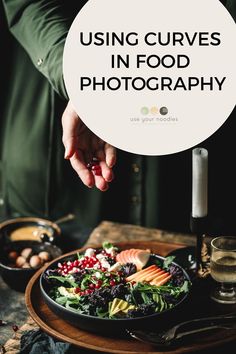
(61, 300)
(101, 313)
(107, 245)
(85, 281)
(64, 280)
(167, 261)
(185, 287)
(79, 256)
(145, 297)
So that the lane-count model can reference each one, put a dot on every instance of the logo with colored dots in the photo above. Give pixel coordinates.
(154, 111)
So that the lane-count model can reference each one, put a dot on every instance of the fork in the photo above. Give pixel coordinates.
(184, 329)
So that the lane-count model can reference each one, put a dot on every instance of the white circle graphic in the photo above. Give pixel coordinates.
(152, 77)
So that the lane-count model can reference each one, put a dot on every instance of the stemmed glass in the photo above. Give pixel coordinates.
(223, 268)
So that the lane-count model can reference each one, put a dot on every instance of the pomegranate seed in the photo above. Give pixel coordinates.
(112, 282)
(97, 172)
(15, 328)
(77, 290)
(96, 167)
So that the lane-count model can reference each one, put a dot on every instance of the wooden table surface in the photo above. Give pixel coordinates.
(12, 305)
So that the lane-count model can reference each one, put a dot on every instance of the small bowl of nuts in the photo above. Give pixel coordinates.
(19, 261)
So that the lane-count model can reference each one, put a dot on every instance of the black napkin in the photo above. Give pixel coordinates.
(37, 342)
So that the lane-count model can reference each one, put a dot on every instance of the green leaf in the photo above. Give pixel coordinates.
(100, 312)
(107, 245)
(145, 297)
(64, 280)
(79, 256)
(61, 300)
(155, 297)
(84, 282)
(157, 262)
(167, 261)
(185, 287)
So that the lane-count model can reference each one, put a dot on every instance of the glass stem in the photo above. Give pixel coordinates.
(227, 289)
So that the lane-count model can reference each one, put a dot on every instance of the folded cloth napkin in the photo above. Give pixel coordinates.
(38, 342)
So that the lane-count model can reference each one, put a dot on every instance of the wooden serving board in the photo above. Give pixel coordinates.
(60, 329)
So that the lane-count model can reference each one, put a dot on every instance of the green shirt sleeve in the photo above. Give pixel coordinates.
(231, 7)
(41, 28)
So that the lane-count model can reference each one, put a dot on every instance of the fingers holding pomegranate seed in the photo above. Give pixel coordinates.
(102, 174)
(100, 183)
(107, 172)
(110, 155)
(78, 164)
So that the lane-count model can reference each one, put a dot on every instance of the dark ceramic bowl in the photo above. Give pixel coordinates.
(17, 278)
(109, 326)
(52, 234)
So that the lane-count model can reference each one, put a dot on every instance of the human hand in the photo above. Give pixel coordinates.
(81, 145)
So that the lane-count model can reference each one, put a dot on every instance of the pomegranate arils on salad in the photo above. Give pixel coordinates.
(107, 283)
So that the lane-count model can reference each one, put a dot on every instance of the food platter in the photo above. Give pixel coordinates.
(105, 309)
(56, 327)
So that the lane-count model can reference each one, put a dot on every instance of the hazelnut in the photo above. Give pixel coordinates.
(13, 255)
(45, 256)
(26, 252)
(26, 265)
(20, 261)
(35, 261)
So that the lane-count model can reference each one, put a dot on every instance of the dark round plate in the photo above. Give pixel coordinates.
(105, 325)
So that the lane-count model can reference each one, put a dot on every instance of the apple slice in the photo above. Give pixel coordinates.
(141, 272)
(153, 275)
(160, 278)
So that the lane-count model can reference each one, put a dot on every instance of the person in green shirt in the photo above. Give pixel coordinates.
(37, 180)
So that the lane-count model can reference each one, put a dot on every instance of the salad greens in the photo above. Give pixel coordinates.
(94, 284)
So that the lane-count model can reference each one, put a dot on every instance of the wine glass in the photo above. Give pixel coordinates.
(223, 268)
